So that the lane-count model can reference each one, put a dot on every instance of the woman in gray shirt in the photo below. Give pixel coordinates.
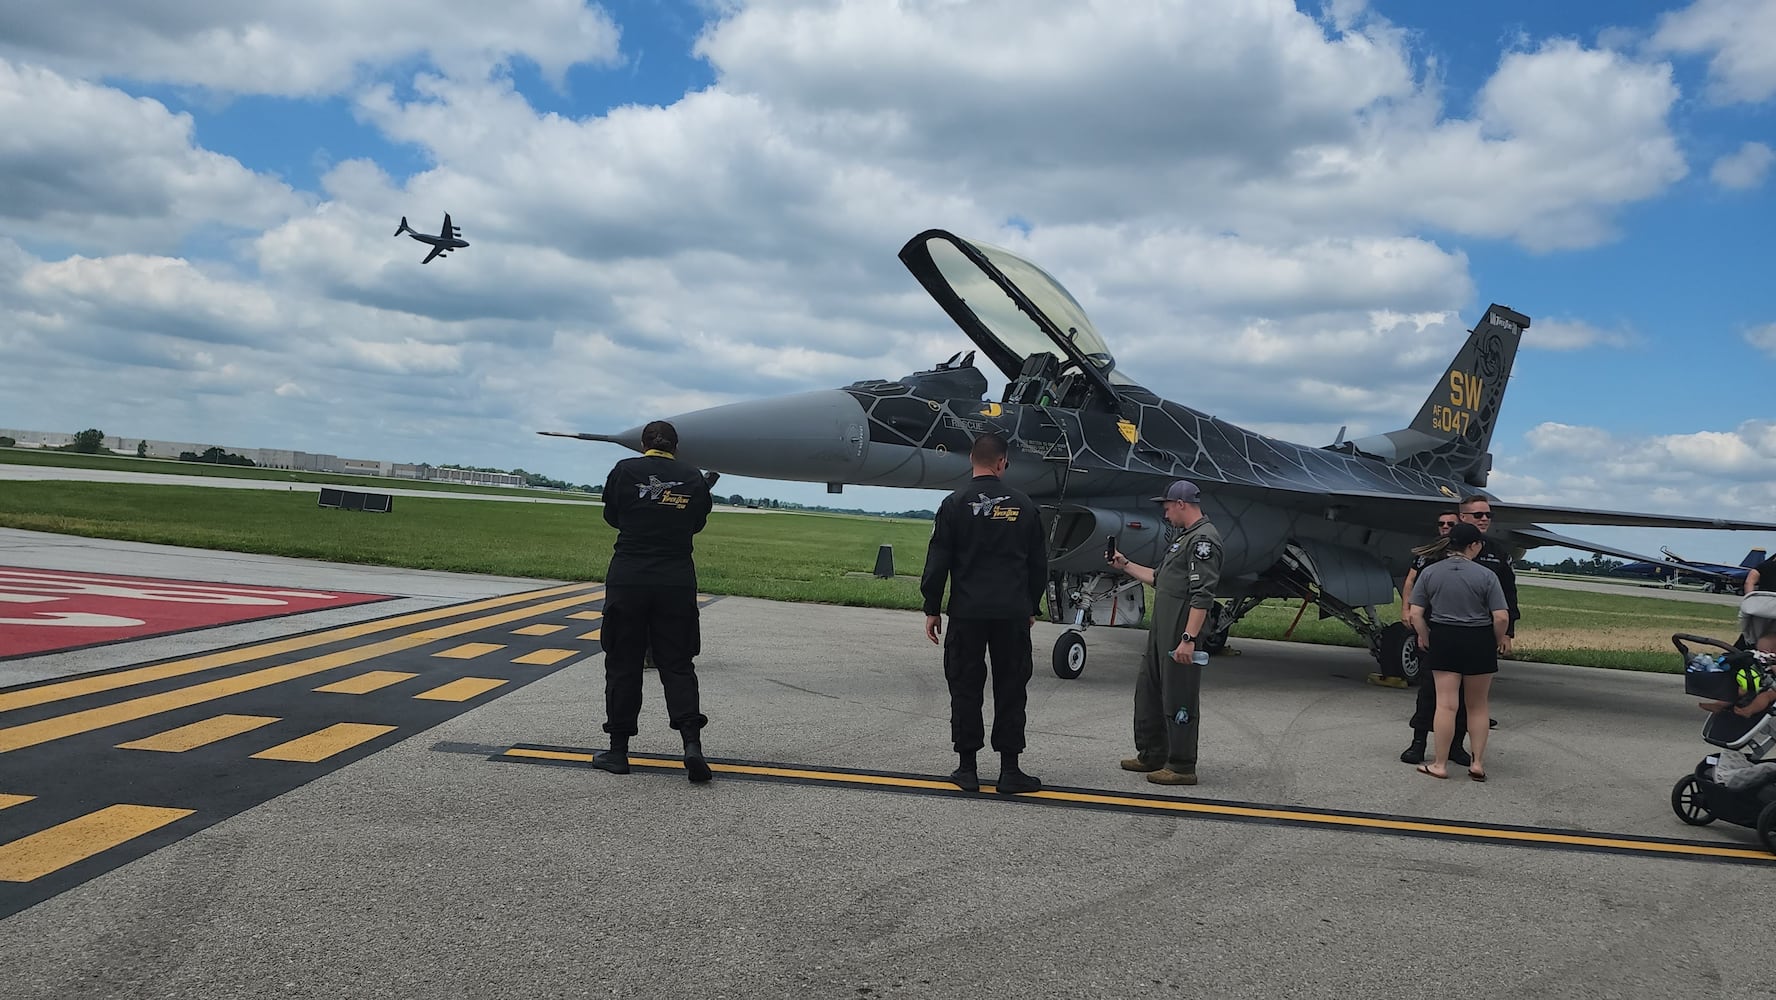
(1461, 628)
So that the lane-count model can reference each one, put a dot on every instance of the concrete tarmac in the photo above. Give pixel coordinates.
(429, 869)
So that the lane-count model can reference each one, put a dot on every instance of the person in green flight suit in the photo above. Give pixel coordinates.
(1168, 690)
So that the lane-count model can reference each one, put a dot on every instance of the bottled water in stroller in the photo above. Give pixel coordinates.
(1738, 784)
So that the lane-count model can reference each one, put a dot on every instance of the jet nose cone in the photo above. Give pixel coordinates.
(817, 437)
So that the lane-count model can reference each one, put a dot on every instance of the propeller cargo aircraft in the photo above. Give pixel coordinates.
(1331, 525)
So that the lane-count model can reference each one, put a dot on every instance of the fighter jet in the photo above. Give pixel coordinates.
(449, 237)
(1331, 525)
(1716, 578)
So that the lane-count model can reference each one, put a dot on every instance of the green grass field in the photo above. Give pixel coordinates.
(122, 463)
(789, 556)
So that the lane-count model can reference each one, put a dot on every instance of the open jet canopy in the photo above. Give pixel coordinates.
(1020, 317)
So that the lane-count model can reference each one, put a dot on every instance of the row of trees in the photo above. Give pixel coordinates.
(1597, 565)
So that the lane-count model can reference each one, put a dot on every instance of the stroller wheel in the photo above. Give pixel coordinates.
(1691, 807)
(1766, 827)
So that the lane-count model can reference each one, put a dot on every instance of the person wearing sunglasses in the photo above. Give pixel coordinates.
(1476, 510)
(1425, 712)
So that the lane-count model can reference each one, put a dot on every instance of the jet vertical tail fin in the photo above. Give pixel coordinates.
(1453, 429)
(403, 227)
(1753, 557)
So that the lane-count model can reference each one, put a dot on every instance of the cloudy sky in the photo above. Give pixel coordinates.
(1282, 215)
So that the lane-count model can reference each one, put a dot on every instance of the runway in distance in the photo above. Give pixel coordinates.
(1333, 525)
(449, 237)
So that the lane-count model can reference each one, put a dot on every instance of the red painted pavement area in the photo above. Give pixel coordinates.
(43, 610)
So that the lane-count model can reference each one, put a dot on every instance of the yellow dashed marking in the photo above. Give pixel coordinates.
(200, 733)
(470, 650)
(461, 689)
(318, 746)
(544, 657)
(540, 628)
(365, 683)
(178, 668)
(586, 616)
(590, 635)
(64, 844)
(14, 800)
(32, 734)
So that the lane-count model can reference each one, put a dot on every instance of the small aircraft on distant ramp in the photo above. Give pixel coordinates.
(449, 237)
(1718, 578)
(1332, 525)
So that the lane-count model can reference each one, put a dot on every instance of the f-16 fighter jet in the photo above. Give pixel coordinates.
(1333, 525)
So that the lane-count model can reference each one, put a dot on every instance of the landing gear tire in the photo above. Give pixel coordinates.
(1691, 806)
(1214, 633)
(1766, 828)
(1397, 653)
(1069, 656)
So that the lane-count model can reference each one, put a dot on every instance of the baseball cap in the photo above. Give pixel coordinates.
(1463, 535)
(1183, 489)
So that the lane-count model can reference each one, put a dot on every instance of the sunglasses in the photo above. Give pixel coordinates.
(1445, 524)
(1481, 514)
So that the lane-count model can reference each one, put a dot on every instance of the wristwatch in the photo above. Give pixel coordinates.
(1187, 637)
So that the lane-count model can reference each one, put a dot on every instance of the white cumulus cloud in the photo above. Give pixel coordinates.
(1743, 169)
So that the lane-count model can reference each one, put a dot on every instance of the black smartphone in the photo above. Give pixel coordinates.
(1110, 548)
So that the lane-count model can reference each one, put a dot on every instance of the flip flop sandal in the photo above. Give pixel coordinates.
(1477, 775)
(1426, 769)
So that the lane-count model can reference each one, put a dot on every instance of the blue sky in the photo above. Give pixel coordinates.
(675, 205)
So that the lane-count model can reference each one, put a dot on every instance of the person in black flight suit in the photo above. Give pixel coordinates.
(656, 503)
(988, 544)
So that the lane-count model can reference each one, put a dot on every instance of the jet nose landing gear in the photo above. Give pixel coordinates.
(1069, 655)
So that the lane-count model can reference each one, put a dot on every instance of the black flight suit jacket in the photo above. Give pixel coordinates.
(656, 503)
(988, 543)
(1494, 557)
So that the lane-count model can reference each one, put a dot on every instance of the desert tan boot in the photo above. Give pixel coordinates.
(1167, 776)
(1141, 764)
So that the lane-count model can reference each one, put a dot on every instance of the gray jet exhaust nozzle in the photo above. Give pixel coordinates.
(816, 437)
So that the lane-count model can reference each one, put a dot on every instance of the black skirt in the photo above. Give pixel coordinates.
(1468, 650)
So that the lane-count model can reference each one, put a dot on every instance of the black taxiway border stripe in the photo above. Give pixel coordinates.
(1497, 834)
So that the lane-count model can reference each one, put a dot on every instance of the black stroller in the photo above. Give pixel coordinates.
(1743, 791)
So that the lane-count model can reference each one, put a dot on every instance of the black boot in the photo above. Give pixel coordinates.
(616, 759)
(695, 767)
(965, 776)
(1013, 781)
(1415, 754)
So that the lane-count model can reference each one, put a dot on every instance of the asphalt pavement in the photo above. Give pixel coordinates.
(826, 860)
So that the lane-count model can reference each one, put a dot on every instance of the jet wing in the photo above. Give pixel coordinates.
(436, 250)
(1390, 510)
(447, 232)
(1545, 537)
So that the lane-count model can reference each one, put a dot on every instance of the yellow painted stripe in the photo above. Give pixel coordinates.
(14, 800)
(540, 628)
(33, 733)
(461, 689)
(469, 650)
(586, 616)
(374, 680)
(200, 733)
(546, 656)
(591, 635)
(1203, 808)
(318, 746)
(79, 686)
(64, 844)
